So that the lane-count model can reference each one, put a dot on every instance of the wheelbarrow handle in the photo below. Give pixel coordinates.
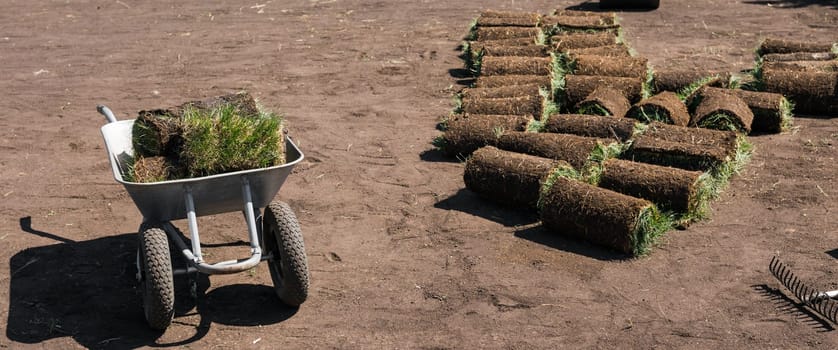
(104, 110)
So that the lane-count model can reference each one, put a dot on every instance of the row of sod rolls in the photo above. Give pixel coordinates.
(805, 72)
(200, 138)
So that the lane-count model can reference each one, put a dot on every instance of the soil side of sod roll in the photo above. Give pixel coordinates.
(813, 93)
(772, 112)
(597, 215)
(566, 41)
(570, 148)
(578, 87)
(505, 42)
(676, 80)
(647, 149)
(153, 169)
(508, 14)
(510, 65)
(465, 134)
(616, 50)
(530, 20)
(521, 105)
(669, 188)
(802, 66)
(521, 51)
(722, 111)
(501, 92)
(774, 45)
(604, 101)
(502, 33)
(579, 22)
(618, 129)
(631, 67)
(509, 80)
(664, 107)
(726, 140)
(508, 178)
(605, 16)
(156, 135)
(799, 56)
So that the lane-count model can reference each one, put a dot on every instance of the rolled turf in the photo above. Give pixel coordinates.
(508, 178)
(563, 23)
(728, 141)
(156, 134)
(814, 93)
(600, 216)
(509, 80)
(566, 41)
(152, 169)
(677, 80)
(799, 56)
(502, 33)
(665, 107)
(803, 66)
(772, 111)
(501, 92)
(617, 129)
(774, 45)
(631, 67)
(604, 101)
(467, 133)
(578, 87)
(531, 105)
(720, 110)
(674, 189)
(573, 149)
(688, 156)
(485, 50)
(508, 19)
(616, 50)
(510, 65)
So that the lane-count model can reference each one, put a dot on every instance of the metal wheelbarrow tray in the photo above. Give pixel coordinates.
(248, 190)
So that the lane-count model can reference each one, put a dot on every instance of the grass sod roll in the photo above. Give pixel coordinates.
(618, 129)
(681, 191)
(772, 112)
(616, 50)
(813, 93)
(803, 66)
(242, 104)
(647, 149)
(600, 216)
(485, 50)
(503, 33)
(722, 111)
(522, 105)
(604, 101)
(522, 19)
(726, 140)
(573, 149)
(501, 92)
(465, 134)
(508, 178)
(780, 46)
(578, 87)
(578, 23)
(605, 16)
(665, 107)
(490, 13)
(799, 56)
(631, 67)
(221, 140)
(493, 65)
(510, 80)
(677, 80)
(155, 134)
(567, 41)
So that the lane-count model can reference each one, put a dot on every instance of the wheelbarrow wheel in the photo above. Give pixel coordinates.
(288, 266)
(156, 278)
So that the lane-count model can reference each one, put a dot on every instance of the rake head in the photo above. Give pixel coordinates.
(820, 302)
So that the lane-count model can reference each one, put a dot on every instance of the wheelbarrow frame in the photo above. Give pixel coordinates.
(164, 201)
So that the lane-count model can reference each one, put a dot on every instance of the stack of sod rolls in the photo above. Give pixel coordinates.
(806, 72)
(201, 138)
(562, 119)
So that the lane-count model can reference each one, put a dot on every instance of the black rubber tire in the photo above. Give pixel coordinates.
(156, 280)
(289, 266)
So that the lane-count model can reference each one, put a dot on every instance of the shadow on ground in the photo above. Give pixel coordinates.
(468, 202)
(538, 234)
(87, 290)
(789, 306)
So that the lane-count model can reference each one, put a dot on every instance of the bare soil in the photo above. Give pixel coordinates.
(401, 255)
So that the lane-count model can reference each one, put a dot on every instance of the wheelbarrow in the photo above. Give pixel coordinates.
(274, 236)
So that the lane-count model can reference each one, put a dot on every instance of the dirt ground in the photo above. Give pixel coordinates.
(401, 255)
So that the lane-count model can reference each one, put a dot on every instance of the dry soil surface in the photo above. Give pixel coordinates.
(401, 255)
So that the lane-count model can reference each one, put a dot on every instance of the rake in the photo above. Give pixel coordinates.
(823, 303)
